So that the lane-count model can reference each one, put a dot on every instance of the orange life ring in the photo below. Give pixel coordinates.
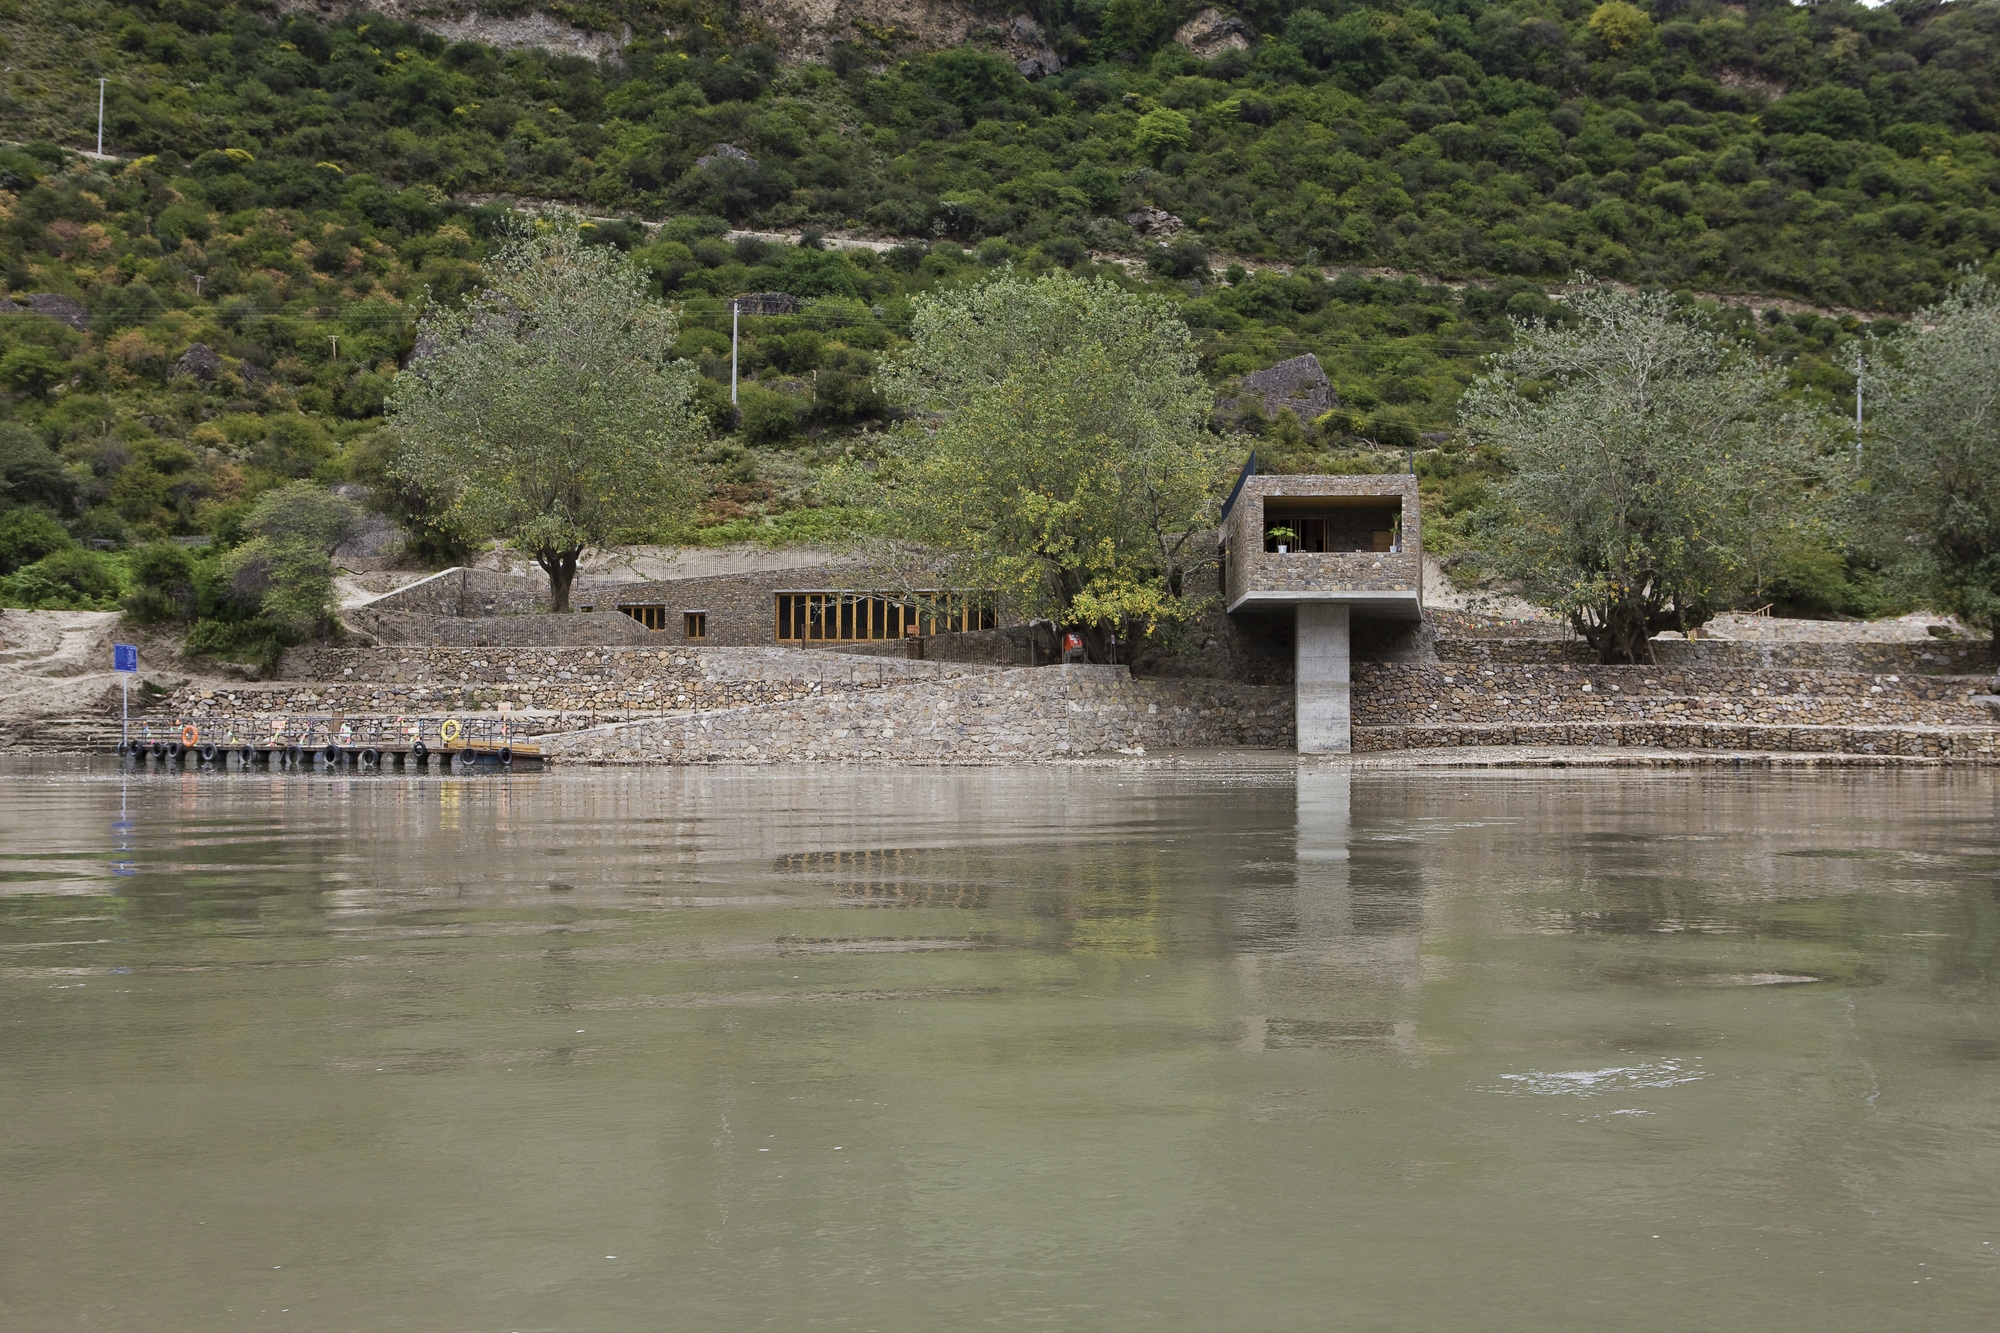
(190, 734)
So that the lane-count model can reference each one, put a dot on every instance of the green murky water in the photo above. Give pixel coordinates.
(996, 1049)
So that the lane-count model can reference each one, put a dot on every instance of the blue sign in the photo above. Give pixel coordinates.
(124, 657)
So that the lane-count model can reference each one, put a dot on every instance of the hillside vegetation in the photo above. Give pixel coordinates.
(222, 306)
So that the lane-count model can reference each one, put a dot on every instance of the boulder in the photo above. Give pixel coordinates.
(1210, 33)
(1299, 385)
(200, 360)
(63, 309)
(725, 152)
(1030, 48)
(767, 303)
(1154, 222)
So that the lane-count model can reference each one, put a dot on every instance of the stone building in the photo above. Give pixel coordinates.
(1320, 552)
(835, 605)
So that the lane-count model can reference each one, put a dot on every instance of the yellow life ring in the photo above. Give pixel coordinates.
(190, 734)
(449, 731)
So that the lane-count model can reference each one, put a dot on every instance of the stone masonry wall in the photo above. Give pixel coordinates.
(1960, 744)
(1008, 715)
(1936, 657)
(556, 681)
(467, 592)
(1387, 693)
(535, 630)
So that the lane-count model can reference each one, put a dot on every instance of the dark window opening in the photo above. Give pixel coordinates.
(1335, 528)
(850, 617)
(694, 624)
(652, 617)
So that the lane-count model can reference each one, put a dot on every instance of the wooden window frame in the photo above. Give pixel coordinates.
(652, 615)
(834, 616)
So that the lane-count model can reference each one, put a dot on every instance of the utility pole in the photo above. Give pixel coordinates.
(100, 117)
(334, 338)
(732, 351)
(198, 279)
(1857, 401)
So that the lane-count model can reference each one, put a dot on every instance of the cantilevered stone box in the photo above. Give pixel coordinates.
(1319, 550)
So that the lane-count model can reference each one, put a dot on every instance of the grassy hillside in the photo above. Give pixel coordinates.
(289, 189)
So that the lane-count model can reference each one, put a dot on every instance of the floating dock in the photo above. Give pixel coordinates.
(412, 744)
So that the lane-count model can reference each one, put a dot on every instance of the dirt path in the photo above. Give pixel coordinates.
(56, 664)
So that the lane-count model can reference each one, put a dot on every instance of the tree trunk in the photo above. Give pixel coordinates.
(1624, 634)
(560, 566)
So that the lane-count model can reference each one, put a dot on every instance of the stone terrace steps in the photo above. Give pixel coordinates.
(64, 735)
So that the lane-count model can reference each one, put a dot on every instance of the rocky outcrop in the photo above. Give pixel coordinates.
(725, 153)
(63, 309)
(200, 360)
(1299, 386)
(1211, 32)
(1155, 223)
(810, 29)
(464, 22)
(1029, 46)
(767, 303)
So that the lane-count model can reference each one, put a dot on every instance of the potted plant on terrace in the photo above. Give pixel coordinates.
(1284, 537)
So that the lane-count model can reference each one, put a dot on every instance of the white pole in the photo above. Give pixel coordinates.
(100, 117)
(732, 352)
(1857, 400)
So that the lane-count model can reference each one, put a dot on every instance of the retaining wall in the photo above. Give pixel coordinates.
(1388, 693)
(534, 630)
(1968, 744)
(556, 680)
(1935, 657)
(1008, 715)
(462, 591)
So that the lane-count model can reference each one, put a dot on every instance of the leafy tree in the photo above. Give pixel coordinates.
(27, 535)
(1620, 25)
(1931, 462)
(163, 584)
(1063, 462)
(1162, 131)
(1649, 458)
(285, 570)
(550, 409)
(33, 368)
(30, 473)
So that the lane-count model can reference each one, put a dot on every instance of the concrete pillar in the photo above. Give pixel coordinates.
(1321, 679)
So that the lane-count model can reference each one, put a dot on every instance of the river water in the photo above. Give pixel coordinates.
(933, 1049)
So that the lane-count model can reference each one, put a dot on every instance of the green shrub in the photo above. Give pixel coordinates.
(27, 535)
(163, 584)
(69, 580)
(767, 417)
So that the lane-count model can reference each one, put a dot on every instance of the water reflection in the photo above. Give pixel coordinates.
(909, 1049)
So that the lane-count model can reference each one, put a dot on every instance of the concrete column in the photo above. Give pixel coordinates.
(1321, 679)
